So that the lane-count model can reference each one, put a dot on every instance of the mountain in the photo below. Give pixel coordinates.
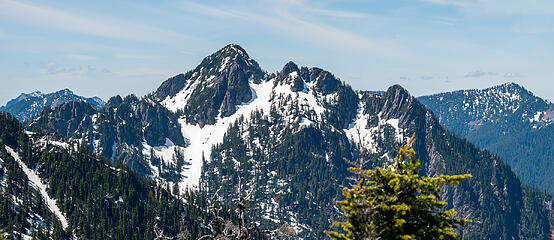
(126, 130)
(27, 105)
(506, 119)
(283, 143)
(55, 190)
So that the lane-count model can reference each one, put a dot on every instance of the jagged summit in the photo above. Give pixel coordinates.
(289, 68)
(214, 88)
(234, 49)
(227, 59)
(222, 82)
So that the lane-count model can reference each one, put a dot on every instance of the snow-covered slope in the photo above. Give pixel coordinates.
(37, 183)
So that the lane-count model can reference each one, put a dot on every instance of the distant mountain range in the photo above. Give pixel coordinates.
(506, 119)
(27, 105)
(227, 130)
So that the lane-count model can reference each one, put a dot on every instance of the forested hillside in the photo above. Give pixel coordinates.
(99, 199)
(509, 121)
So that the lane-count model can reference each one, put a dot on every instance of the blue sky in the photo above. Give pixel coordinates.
(105, 48)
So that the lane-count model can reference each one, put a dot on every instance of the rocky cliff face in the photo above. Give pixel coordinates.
(71, 119)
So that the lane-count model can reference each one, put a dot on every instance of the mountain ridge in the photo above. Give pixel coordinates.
(286, 143)
(27, 105)
(507, 119)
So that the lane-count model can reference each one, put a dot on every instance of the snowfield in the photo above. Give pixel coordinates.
(202, 139)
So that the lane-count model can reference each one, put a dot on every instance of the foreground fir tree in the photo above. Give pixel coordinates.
(398, 203)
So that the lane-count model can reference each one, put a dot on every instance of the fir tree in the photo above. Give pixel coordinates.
(397, 203)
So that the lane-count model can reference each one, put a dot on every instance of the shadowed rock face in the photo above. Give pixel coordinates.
(69, 119)
(326, 83)
(237, 90)
(171, 86)
(397, 100)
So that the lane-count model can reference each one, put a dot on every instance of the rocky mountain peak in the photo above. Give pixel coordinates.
(114, 101)
(214, 88)
(289, 68)
(291, 74)
(397, 102)
(326, 82)
(222, 60)
(210, 71)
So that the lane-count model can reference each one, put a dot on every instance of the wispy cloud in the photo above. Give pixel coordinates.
(512, 75)
(479, 73)
(80, 57)
(301, 5)
(283, 17)
(457, 3)
(53, 68)
(533, 30)
(135, 72)
(135, 56)
(102, 26)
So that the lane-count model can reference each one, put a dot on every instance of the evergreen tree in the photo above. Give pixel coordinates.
(397, 203)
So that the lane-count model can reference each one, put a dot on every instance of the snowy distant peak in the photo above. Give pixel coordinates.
(507, 103)
(27, 105)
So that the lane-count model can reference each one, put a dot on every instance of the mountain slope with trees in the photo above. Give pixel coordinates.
(506, 119)
(99, 199)
(283, 143)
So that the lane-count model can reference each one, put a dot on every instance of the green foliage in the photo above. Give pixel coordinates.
(397, 203)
